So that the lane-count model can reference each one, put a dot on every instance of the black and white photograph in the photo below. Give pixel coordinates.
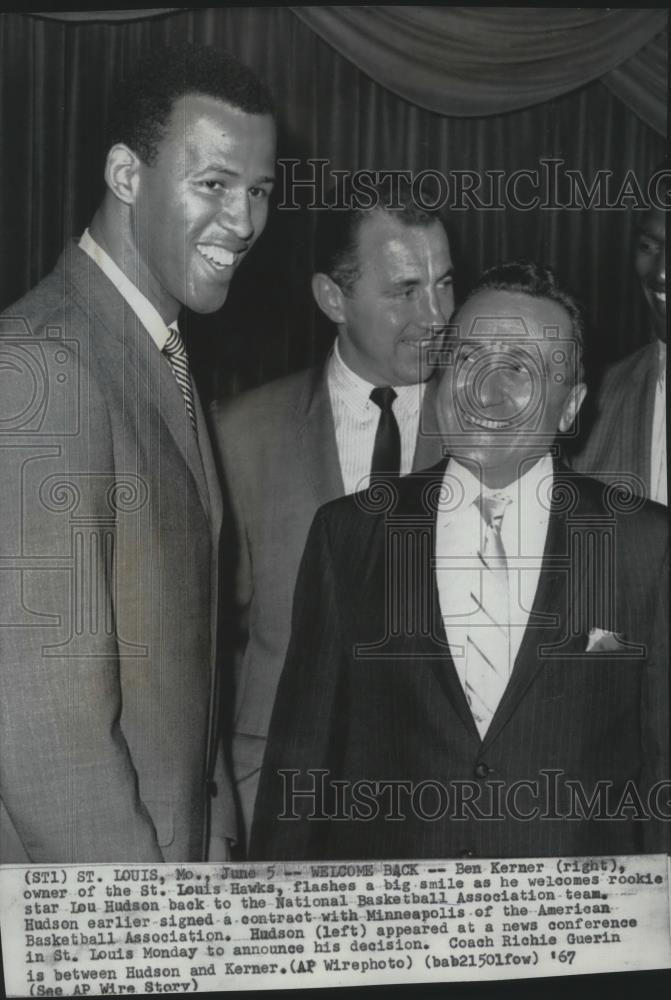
(333, 494)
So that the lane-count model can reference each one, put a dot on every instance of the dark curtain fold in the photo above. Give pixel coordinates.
(460, 61)
(55, 86)
(86, 16)
(642, 82)
(480, 61)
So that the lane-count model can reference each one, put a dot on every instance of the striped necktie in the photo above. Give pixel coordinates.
(175, 351)
(488, 639)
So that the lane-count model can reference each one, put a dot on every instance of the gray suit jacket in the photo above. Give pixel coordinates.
(111, 516)
(620, 440)
(280, 464)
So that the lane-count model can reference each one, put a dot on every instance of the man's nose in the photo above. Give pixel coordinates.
(434, 311)
(489, 390)
(236, 216)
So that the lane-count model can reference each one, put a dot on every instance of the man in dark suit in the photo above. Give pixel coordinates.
(629, 433)
(477, 664)
(384, 278)
(111, 509)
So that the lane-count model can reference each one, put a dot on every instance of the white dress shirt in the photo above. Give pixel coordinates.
(459, 534)
(356, 418)
(140, 304)
(658, 488)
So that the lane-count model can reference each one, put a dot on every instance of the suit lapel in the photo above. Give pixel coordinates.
(639, 421)
(166, 394)
(132, 352)
(417, 520)
(209, 468)
(316, 440)
(626, 444)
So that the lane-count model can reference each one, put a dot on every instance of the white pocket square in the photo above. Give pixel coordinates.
(601, 640)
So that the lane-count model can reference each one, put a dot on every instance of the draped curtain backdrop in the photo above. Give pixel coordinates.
(484, 61)
(379, 88)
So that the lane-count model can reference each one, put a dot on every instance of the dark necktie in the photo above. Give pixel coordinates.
(387, 448)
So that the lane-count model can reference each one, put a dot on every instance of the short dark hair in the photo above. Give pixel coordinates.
(145, 98)
(337, 235)
(540, 282)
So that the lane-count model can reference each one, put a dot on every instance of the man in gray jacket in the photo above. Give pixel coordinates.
(111, 508)
(384, 277)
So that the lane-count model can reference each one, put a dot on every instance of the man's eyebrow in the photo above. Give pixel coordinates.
(219, 168)
(400, 281)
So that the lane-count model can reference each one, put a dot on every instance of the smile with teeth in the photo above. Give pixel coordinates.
(484, 423)
(217, 256)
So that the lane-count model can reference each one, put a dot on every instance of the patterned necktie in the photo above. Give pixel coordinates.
(175, 352)
(387, 448)
(488, 639)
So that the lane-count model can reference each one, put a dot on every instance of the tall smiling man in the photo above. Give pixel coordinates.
(111, 507)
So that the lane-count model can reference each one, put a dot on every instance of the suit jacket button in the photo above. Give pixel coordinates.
(466, 853)
(481, 770)
(212, 789)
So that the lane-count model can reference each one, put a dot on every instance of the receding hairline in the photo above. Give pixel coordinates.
(402, 222)
(570, 327)
(513, 293)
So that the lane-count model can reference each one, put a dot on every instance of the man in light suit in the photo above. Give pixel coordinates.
(478, 659)
(384, 277)
(629, 433)
(111, 508)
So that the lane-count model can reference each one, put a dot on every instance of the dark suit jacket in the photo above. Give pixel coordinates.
(111, 515)
(620, 440)
(369, 691)
(280, 463)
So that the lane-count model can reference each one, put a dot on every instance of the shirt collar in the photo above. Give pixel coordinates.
(530, 492)
(139, 303)
(355, 391)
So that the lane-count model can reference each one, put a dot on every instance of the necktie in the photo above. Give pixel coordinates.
(488, 639)
(387, 448)
(175, 352)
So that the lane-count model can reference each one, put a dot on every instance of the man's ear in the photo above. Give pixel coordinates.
(122, 173)
(572, 404)
(329, 297)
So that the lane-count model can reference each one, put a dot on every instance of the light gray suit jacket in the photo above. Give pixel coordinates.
(280, 463)
(621, 439)
(111, 517)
